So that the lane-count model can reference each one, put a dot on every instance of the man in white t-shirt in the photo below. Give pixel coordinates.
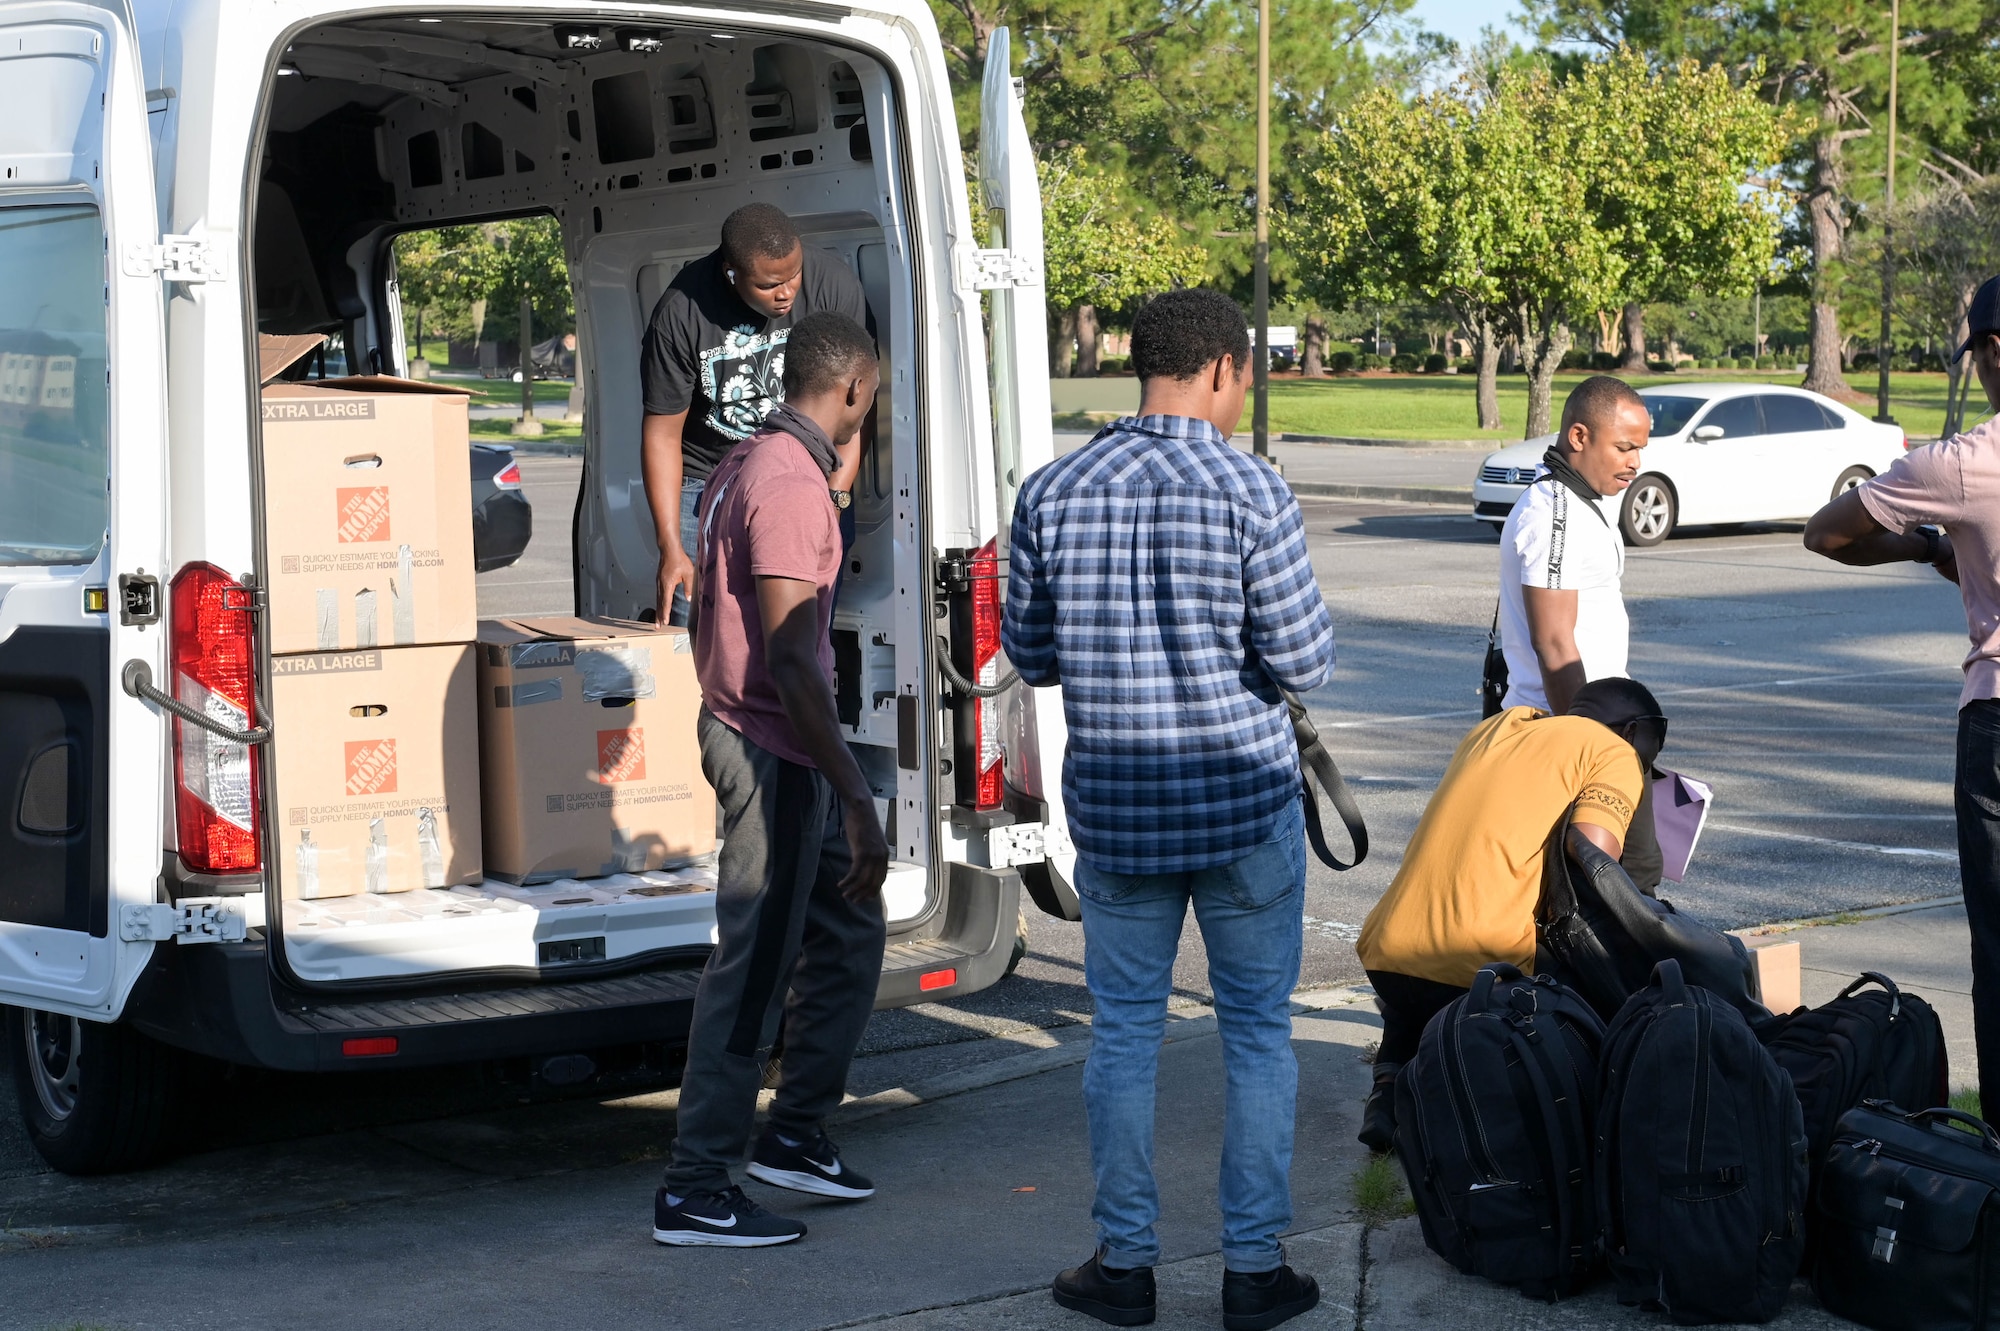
(1562, 609)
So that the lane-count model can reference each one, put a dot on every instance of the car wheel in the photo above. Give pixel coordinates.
(1648, 513)
(95, 1099)
(1849, 480)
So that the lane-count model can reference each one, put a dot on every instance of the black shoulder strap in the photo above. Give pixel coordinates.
(1319, 766)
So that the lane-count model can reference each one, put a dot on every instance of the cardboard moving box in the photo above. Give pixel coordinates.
(377, 770)
(589, 763)
(368, 511)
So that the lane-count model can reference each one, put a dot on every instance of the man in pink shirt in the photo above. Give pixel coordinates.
(1940, 505)
(798, 906)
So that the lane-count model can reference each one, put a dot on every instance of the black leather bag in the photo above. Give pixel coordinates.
(1701, 1159)
(1603, 936)
(1909, 1221)
(1494, 1119)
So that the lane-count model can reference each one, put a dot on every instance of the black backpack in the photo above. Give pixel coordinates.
(1881, 1044)
(1600, 933)
(1493, 1125)
(1701, 1158)
(1909, 1216)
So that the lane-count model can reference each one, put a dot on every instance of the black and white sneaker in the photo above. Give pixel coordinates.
(812, 1166)
(725, 1219)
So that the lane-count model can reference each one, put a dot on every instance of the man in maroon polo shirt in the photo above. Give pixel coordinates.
(799, 895)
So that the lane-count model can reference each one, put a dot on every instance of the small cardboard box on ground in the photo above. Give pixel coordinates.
(377, 757)
(368, 509)
(587, 749)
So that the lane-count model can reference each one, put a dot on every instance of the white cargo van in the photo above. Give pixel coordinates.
(179, 178)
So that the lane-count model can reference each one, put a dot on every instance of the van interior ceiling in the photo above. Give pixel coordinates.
(639, 141)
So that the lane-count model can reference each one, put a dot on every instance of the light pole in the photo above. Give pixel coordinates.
(1882, 351)
(1260, 412)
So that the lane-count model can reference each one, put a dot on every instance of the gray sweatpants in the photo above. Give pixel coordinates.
(780, 926)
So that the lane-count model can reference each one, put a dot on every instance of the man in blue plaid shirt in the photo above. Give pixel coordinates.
(1162, 578)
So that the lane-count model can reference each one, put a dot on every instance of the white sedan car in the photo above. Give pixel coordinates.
(1720, 453)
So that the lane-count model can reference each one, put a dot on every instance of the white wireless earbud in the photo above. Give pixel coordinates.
(732, 274)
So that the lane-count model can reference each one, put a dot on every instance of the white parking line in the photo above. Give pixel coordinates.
(1662, 693)
(1905, 851)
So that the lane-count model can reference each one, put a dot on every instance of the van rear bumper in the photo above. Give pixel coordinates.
(220, 999)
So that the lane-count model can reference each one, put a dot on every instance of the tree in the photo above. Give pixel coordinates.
(1947, 243)
(1164, 93)
(1691, 197)
(1829, 59)
(440, 274)
(1094, 254)
(1483, 202)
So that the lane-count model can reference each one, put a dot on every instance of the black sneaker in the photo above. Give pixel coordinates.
(1261, 1301)
(1118, 1295)
(725, 1219)
(813, 1166)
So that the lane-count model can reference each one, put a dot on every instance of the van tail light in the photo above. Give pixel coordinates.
(989, 788)
(508, 477)
(1906, 443)
(214, 670)
(971, 581)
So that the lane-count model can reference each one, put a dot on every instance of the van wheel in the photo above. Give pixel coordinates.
(1849, 480)
(1648, 513)
(95, 1099)
(1020, 943)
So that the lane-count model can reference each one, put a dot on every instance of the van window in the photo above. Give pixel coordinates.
(53, 500)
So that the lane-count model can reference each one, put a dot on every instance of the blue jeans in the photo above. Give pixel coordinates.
(1251, 916)
(690, 500)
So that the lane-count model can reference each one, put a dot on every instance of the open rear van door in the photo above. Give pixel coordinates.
(82, 508)
(1031, 720)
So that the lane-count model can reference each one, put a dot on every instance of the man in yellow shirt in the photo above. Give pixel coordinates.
(1472, 874)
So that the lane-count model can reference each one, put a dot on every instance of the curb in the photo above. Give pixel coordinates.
(1843, 917)
(1355, 441)
(548, 449)
(1405, 494)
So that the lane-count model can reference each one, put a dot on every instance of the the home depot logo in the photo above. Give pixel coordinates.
(371, 766)
(621, 755)
(362, 513)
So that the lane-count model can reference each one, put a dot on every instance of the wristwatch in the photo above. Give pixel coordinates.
(841, 498)
(1932, 539)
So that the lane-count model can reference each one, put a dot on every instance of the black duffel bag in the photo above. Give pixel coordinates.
(1909, 1221)
(1602, 936)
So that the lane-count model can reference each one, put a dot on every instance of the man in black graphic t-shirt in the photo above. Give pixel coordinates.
(711, 365)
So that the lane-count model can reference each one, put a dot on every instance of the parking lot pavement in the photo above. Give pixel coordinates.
(1817, 700)
(539, 1218)
(536, 1216)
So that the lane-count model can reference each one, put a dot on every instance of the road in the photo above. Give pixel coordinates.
(1817, 700)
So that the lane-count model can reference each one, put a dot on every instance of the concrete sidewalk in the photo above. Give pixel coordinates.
(537, 1217)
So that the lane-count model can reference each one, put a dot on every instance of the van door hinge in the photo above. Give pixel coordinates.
(138, 598)
(992, 270)
(188, 921)
(177, 259)
(1025, 843)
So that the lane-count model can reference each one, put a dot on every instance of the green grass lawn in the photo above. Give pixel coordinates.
(507, 393)
(1442, 406)
(503, 431)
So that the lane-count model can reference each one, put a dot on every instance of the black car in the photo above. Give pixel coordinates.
(502, 520)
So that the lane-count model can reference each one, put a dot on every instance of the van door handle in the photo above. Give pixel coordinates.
(137, 677)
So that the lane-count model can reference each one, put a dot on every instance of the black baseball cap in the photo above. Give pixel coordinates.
(1983, 317)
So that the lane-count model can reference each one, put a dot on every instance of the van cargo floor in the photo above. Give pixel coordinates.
(492, 925)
